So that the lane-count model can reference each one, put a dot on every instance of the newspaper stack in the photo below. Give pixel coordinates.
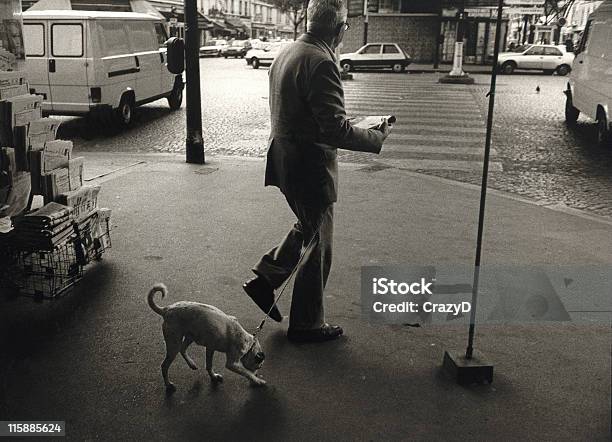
(45, 228)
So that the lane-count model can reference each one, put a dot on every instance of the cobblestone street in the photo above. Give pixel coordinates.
(440, 130)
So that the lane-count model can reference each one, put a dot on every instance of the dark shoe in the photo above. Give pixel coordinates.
(326, 333)
(262, 293)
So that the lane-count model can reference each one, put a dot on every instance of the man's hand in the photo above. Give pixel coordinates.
(385, 128)
(381, 131)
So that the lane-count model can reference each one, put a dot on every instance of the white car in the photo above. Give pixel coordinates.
(264, 56)
(376, 55)
(547, 58)
(214, 48)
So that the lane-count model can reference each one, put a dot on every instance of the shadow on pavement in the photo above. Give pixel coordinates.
(90, 128)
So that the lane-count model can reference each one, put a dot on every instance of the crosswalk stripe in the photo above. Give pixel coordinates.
(397, 111)
(435, 137)
(437, 128)
(477, 151)
(449, 106)
(414, 164)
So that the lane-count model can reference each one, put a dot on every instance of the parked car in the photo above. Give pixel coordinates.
(376, 55)
(103, 63)
(548, 58)
(213, 48)
(264, 56)
(237, 48)
(589, 89)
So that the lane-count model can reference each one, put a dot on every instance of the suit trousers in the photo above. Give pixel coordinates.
(313, 223)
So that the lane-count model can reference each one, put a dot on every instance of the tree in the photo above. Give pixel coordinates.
(296, 10)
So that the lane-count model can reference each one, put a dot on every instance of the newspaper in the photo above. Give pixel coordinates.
(371, 121)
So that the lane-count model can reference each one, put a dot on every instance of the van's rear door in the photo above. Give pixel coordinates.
(36, 38)
(68, 67)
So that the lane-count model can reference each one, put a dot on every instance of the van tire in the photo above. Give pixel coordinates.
(563, 70)
(255, 63)
(125, 112)
(603, 130)
(175, 99)
(571, 113)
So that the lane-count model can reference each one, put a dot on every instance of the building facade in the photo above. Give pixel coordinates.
(230, 19)
(426, 30)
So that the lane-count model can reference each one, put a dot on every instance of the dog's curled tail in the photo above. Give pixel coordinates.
(159, 287)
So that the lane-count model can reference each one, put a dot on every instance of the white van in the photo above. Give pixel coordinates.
(100, 63)
(590, 87)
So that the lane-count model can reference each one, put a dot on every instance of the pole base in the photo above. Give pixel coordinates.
(456, 79)
(345, 76)
(467, 371)
(195, 153)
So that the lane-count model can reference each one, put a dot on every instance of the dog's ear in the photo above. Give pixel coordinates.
(260, 356)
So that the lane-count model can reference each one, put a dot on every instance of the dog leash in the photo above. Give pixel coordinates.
(286, 283)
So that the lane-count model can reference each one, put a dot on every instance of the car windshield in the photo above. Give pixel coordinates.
(238, 44)
(521, 48)
(220, 42)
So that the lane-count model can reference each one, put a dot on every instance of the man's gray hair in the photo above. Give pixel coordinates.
(325, 15)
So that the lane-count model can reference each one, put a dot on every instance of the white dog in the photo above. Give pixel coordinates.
(186, 322)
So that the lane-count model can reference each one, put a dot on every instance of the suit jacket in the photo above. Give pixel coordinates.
(309, 123)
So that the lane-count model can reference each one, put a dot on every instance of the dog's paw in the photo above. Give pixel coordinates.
(216, 377)
(258, 383)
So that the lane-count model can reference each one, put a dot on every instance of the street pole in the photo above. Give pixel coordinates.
(436, 63)
(194, 143)
(457, 75)
(483, 187)
(458, 58)
(472, 367)
(365, 22)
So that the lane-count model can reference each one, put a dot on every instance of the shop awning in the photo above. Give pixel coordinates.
(236, 24)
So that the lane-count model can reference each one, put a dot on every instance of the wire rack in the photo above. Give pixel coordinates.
(50, 274)
(46, 274)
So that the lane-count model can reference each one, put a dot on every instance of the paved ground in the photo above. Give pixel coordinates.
(440, 130)
(92, 358)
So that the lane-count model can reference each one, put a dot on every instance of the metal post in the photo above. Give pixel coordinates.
(458, 56)
(436, 63)
(194, 144)
(483, 188)
(365, 22)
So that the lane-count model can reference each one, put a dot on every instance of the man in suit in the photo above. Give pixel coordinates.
(308, 124)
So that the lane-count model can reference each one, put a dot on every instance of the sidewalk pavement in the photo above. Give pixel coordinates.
(92, 358)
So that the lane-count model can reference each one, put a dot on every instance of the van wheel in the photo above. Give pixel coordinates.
(255, 63)
(563, 70)
(603, 130)
(571, 113)
(346, 65)
(175, 99)
(125, 111)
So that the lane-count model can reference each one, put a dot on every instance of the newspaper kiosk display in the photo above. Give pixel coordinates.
(43, 249)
